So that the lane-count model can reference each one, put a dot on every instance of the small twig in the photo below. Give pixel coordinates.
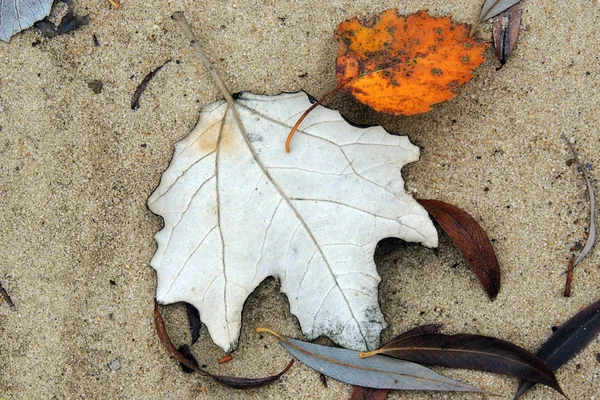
(116, 4)
(567, 292)
(180, 20)
(591, 239)
(6, 297)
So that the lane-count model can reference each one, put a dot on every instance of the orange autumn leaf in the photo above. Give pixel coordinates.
(402, 65)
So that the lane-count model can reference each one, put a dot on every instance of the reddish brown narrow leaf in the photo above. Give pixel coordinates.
(471, 240)
(229, 381)
(568, 340)
(476, 352)
(506, 29)
(363, 393)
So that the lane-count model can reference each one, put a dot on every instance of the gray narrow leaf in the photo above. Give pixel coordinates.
(591, 240)
(506, 29)
(16, 15)
(376, 372)
(494, 7)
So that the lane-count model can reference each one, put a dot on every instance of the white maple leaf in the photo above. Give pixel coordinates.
(238, 209)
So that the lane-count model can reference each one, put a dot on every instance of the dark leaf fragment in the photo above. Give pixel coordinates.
(229, 381)
(135, 99)
(323, 379)
(471, 240)
(468, 351)
(6, 297)
(568, 340)
(68, 23)
(363, 393)
(194, 320)
(506, 29)
(185, 351)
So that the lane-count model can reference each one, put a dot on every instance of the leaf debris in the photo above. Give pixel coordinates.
(135, 99)
(6, 296)
(506, 28)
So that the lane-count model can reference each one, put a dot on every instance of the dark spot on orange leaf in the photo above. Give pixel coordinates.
(436, 71)
(465, 59)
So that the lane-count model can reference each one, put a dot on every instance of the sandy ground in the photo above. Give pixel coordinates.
(77, 167)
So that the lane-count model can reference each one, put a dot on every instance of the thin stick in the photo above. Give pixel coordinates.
(591, 239)
(567, 292)
(6, 297)
(297, 124)
(180, 20)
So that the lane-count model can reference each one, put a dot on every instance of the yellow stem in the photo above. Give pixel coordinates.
(365, 354)
(272, 332)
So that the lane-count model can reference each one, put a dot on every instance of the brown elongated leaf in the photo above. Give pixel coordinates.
(229, 381)
(363, 393)
(471, 240)
(468, 351)
(194, 320)
(568, 340)
(375, 372)
(506, 29)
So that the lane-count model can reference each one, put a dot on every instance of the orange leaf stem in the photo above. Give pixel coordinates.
(295, 127)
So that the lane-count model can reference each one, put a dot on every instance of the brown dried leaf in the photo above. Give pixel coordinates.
(471, 240)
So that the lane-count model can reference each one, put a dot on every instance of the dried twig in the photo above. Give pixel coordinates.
(567, 292)
(5, 296)
(591, 239)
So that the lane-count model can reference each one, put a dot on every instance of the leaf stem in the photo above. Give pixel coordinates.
(295, 127)
(181, 21)
(365, 354)
(272, 332)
